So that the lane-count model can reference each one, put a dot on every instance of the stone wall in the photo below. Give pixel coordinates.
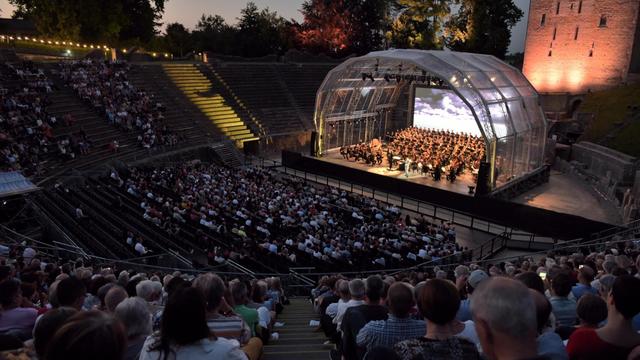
(610, 167)
(573, 50)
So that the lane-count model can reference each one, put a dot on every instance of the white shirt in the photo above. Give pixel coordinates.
(28, 254)
(332, 309)
(343, 309)
(140, 249)
(203, 349)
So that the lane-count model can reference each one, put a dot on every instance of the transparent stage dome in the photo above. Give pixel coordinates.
(366, 97)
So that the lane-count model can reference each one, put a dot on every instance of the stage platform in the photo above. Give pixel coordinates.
(566, 194)
(562, 194)
(460, 186)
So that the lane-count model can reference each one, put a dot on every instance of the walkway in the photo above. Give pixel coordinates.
(297, 338)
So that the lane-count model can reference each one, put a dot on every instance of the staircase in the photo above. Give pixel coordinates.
(228, 153)
(181, 114)
(297, 338)
(197, 88)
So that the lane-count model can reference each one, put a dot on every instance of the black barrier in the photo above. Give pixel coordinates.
(535, 220)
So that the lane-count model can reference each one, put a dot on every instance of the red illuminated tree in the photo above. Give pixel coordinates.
(326, 26)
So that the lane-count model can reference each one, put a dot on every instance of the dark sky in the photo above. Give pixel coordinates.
(188, 12)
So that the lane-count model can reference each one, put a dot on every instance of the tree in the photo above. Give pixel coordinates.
(92, 20)
(343, 26)
(260, 32)
(483, 26)
(212, 33)
(326, 27)
(178, 39)
(143, 20)
(369, 19)
(419, 24)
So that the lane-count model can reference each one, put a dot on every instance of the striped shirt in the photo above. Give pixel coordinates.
(230, 327)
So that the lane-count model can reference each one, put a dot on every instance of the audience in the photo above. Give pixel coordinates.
(285, 221)
(105, 86)
(26, 126)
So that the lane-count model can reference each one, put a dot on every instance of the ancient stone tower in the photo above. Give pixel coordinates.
(574, 46)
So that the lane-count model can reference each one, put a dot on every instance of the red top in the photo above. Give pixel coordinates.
(585, 343)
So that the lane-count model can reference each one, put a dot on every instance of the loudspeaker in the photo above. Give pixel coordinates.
(484, 184)
(313, 144)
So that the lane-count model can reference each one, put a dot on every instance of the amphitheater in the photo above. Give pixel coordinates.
(174, 169)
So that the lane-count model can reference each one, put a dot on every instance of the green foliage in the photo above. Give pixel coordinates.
(483, 26)
(111, 21)
(178, 39)
(419, 24)
(260, 32)
(611, 106)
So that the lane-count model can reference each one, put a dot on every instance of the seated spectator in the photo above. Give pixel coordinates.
(585, 277)
(15, 320)
(357, 292)
(616, 339)
(184, 333)
(47, 325)
(220, 318)
(504, 314)
(240, 299)
(564, 309)
(438, 302)
(358, 316)
(591, 311)
(114, 296)
(326, 320)
(88, 335)
(473, 281)
(71, 292)
(398, 326)
(550, 344)
(135, 316)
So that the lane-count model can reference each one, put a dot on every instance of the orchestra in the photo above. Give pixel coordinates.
(425, 152)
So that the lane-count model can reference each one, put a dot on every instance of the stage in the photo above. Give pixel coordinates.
(460, 185)
(563, 193)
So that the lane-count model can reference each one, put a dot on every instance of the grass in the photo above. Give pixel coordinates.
(609, 107)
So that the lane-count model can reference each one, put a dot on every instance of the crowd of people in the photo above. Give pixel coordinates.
(575, 306)
(75, 309)
(105, 86)
(26, 127)
(428, 152)
(287, 217)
